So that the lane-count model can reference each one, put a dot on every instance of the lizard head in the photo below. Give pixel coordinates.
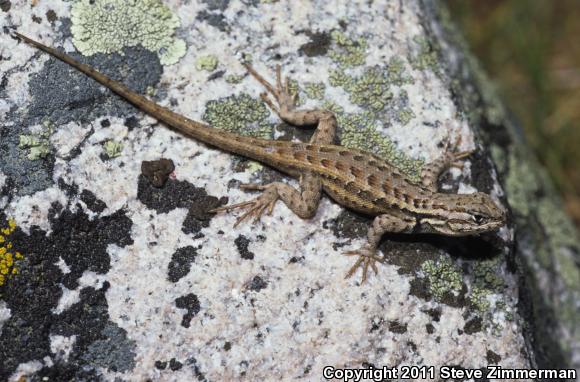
(464, 214)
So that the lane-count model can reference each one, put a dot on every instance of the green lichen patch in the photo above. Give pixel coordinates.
(315, 90)
(234, 78)
(208, 63)
(240, 114)
(444, 278)
(425, 56)
(488, 274)
(38, 145)
(108, 26)
(348, 52)
(112, 148)
(478, 298)
(373, 90)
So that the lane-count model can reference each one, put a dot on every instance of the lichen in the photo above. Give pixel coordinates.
(315, 90)
(521, 184)
(38, 144)
(8, 257)
(561, 238)
(107, 26)
(478, 299)
(487, 274)
(373, 90)
(234, 78)
(347, 52)
(208, 63)
(443, 276)
(112, 148)
(240, 114)
(426, 56)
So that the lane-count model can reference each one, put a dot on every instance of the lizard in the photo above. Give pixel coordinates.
(356, 179)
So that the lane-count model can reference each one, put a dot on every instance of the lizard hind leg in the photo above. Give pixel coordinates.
(285, 107)
(302, 202)
(256, 206)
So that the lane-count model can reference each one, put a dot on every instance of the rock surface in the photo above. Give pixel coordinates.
(122, 274)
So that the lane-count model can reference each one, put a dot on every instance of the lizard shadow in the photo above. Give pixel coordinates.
(482, 247)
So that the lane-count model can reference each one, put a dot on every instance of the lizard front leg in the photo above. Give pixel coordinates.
(368, 253)
(451, 158)
(302, 202)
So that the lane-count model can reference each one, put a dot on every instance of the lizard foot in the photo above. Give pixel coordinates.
(454, 157)
(281, 92)
(256, 206)
(367, 258)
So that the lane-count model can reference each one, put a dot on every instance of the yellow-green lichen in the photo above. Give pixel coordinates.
(112, 148)
(38, 144)
(240, 114)
(315, 90)
(478, 299)
(372, 90)
(443, 276)
(107, 26)
(426, 56)
(208, 63)
(347, 52)
(8, 257)
(37, 147)
(234, 78)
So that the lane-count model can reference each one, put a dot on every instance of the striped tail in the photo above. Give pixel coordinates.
(246, 146)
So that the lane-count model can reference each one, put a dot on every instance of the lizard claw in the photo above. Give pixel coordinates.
(256, 206)
(367, 258)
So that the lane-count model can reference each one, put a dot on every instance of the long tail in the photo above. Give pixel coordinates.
(246, 146)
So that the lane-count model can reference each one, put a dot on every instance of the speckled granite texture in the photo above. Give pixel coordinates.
(117, 271)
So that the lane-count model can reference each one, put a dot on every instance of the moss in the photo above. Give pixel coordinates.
(240, 114)
(347, 52)
(112, 148)
(443, 276)
(209, 63)
(9, 258)
(107, 26)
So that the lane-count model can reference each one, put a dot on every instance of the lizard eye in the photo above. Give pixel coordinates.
(479, 219)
